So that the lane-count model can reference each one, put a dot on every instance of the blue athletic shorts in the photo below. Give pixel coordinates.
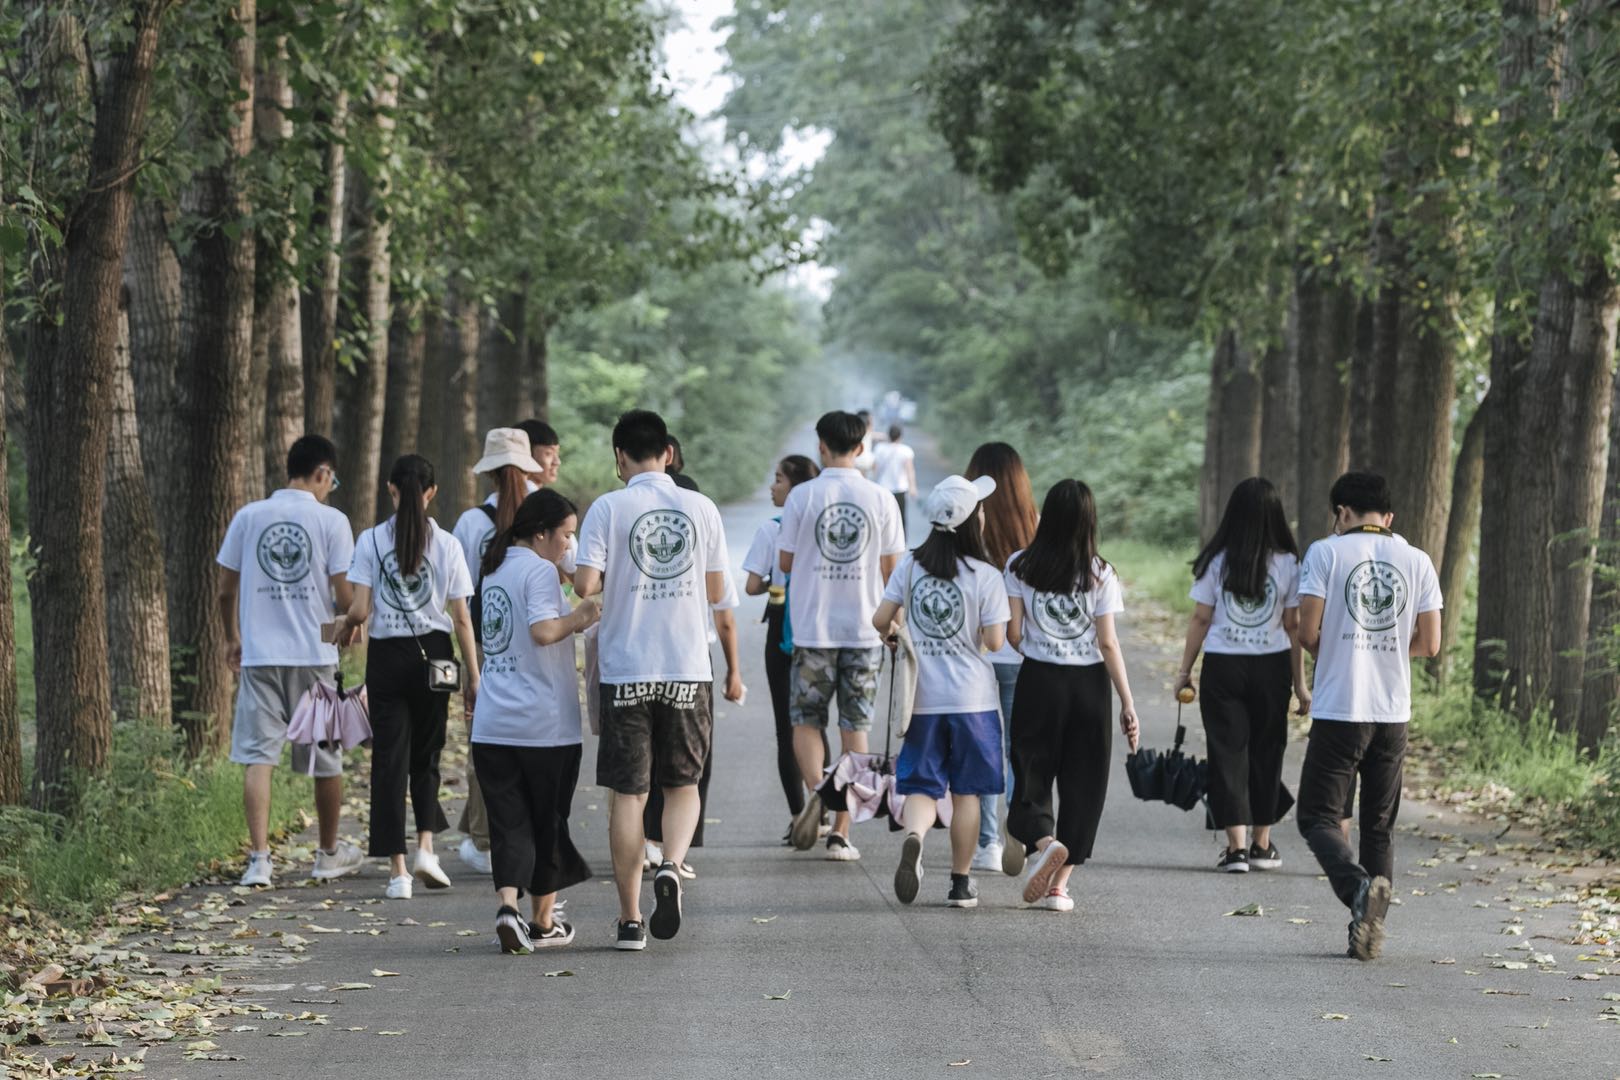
(959, 752)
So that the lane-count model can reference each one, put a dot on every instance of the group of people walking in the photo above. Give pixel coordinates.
(1001, 628)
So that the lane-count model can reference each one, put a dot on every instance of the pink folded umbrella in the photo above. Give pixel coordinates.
(329, 716)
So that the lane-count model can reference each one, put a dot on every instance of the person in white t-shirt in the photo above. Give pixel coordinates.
(1246, 621)
(418, 577)
(895, 468)
(1064, 597)
(841, 537)
(526, 744)
(866, 458)
(766, 578)
(283, 562)
(956, 606)
(1369, 603)
(657, 553)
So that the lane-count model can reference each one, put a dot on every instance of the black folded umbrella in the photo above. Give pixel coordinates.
(1175, 778)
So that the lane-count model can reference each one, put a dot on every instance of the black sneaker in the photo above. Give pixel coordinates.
(908, 875)
(1234, 862)
(513, 932)
(1265, 858)
(963, 894)
(1367, 919)
(632, 937)
(561, 933)
(666, 917)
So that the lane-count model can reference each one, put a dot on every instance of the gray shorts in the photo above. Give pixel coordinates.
(265, 700)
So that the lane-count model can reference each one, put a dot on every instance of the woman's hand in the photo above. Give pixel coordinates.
(1128, 725)
(1184, 684)
(589, 612)
(1303, 696)
(469, 696)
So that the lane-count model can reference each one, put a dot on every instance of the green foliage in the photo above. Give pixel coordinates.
(150, 822)
(1163, 575)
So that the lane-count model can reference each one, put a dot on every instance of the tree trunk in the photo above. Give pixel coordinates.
(1380, 398)
(11, 779)
(218, 283)
(1601, 690)
(438, 365)
(372, 392)
(152, 286)
(278, 317)
(321, 313)
(137, 606)
(541, 365)
(1232, 432)
(1326, 355)
(1279, 421)
(518, 379)
(1462, 525)
(1362, 389)
(70, 364)
(1425, 391)
(461, 427)
(402, 419)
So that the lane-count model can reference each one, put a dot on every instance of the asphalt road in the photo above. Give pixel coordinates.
(1148, 977)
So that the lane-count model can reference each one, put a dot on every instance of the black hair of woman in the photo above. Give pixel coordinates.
(1063, 556)
(940, 554)
(412, 477)
(1252, 530)
(540, 512)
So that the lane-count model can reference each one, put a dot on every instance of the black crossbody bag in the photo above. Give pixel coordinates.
(443, 676)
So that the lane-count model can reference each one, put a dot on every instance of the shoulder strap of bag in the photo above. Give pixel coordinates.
(399, 601)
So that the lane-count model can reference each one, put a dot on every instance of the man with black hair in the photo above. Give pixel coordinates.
(841, 537)
(284, 562)
(546, 448)
(1369, 603)
(657, 553)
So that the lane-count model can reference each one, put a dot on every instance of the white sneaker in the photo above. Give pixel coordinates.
(987, 858)
(1057, 899)
(1044, 869)
(841, 850)
(258, 869)
(344, 859)
(472, 858)
(399, 888)
(652, 856)
(428, 871)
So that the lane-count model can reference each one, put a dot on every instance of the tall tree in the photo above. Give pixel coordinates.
(1601, 690)
(1232, 440)
(277, 322)
(11, 778)
(320, 308)
(1326, 340)
(1280, 420)
(1462, 529)
(371, 395)
(402, 419)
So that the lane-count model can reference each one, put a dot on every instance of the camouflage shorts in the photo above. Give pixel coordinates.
(850, 674)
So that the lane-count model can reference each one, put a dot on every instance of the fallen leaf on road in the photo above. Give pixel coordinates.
(1487, 1076)
(287, 1034)
(1611, 996)
(1586, 976)
(391, 1033)
(351, 986)
(1447, 960)
(779, 997)
(1248, 909)
(379, 973)
(1397, 986)
(1507, 993)
(1300, 922)
(763, 921)
(465, 933)
(1510, 965)
(312, 928)
(203, 1045)
(1375, 1057)
(1334, 1016)
(959, 1064)
(563, 974)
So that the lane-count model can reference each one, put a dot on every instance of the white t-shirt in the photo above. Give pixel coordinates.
(945, 617)
(475, 529)
(890, 471)
(655, 544)
(838, 527)
(1373, 587)
(1061, 628)
(764, 553)
(286, 549)
(418, 604)
(866, 460)
(528, 694)
(1242, 627)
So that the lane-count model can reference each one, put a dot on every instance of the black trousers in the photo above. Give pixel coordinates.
(407, 737)
(900, 497)
(1339, 752)
(529, 794)
(1244, 701)
(778, 669)
(1062, 732)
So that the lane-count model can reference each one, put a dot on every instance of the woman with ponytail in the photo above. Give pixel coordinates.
(526, 743)
(421, 584)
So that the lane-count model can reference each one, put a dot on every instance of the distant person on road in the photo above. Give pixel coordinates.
(658, 556)
(895, 468)
(411, 587)
(1369, 602)
(1009, 525)
(284, 561)
(1064, 597)
(956, 605)
(1246, 622)
(762, 564)
(677, 466)
(841, 538)
(866, 459)
(526, 743)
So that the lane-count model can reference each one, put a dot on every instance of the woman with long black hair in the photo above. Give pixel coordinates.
(526, 743)
(1246, 587)
(765, 578)
(1064, 597)
(421, 585)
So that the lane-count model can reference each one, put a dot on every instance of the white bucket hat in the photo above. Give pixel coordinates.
(954, 499)
(506, 446)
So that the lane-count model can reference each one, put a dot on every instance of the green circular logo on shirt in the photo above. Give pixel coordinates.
(937, 607)
(1376, 594)
(1060, 616)
(842, 532)
(1249, 613)
(496, 623)
(663, 544)
(408, 593)
(284, 552)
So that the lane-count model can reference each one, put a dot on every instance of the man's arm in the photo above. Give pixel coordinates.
(1426, 634)
(886, 564)
(725, 628)
(587, 581)
(230, 583)
(1310, 622)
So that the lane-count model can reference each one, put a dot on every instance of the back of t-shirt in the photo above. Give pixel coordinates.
(1373, 587)
(890, 471)
(528, 694)
(655, 544)
(1241, 626)
(945, 617)
(1061, 628)
(286, 549)
(838, 527)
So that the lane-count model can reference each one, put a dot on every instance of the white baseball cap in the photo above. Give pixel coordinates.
(954, 499)
(507, 446)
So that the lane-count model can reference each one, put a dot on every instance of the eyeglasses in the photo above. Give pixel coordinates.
(335, 482)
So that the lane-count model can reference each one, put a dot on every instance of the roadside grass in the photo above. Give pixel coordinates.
(1163, 574)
